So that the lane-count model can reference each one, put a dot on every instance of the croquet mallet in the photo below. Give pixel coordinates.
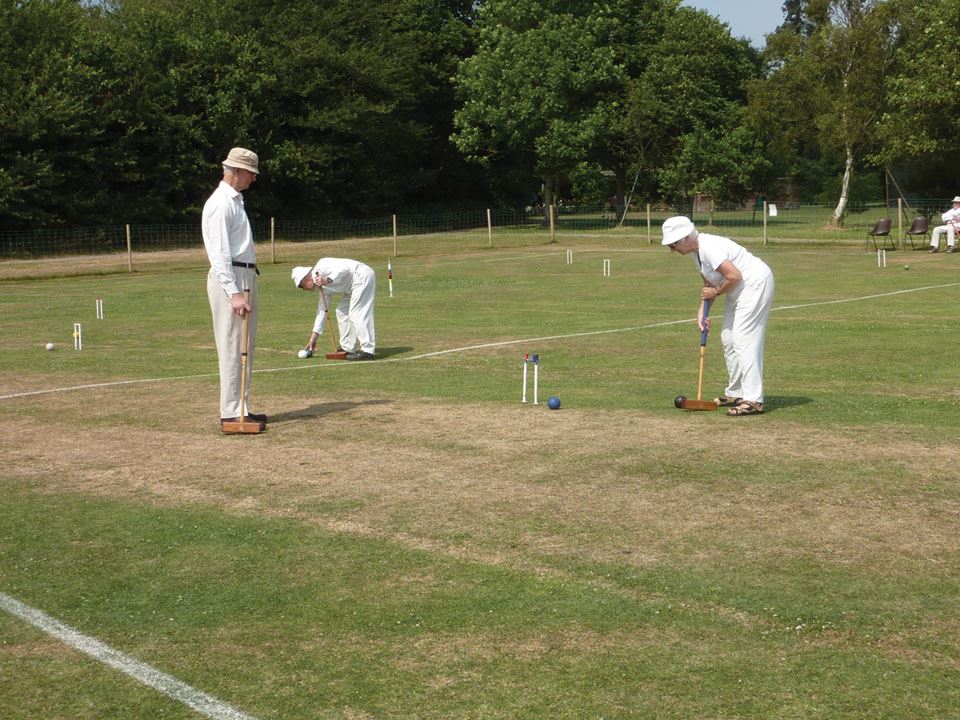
(244, 424)
(699, 404)
(337, 353)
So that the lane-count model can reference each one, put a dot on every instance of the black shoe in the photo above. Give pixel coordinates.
(951, 249)
(258, 417)
(360, 356)
(934, 250)
(249, 418)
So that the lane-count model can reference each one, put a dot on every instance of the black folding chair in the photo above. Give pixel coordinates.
(881, 229)
(920, 226)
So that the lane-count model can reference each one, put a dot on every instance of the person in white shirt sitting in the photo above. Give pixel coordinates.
(951, 220)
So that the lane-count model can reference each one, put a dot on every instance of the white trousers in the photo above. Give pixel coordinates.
(228, 334)
(744, 328)
(940, 230)
(355, 312)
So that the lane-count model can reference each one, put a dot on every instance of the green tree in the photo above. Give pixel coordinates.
(362, 101)
(185, 82)
(687, 104)
(539, 86)
(49, 129)
(920, 128)
(830, 85)
(724, 162)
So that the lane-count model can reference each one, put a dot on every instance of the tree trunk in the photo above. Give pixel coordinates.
(840, 212)
(548, 199)
(621, 174)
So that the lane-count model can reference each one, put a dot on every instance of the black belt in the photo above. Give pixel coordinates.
(251, 266)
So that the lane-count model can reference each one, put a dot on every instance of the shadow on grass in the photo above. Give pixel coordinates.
(322, 410)
(383, 352)
(772, 403)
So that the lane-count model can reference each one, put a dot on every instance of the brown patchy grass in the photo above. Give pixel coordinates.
(509, 485)
(526, 489)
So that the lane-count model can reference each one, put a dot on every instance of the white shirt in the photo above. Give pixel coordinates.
(714, 250)
(342, 273)
(952, 216)
(227, 235)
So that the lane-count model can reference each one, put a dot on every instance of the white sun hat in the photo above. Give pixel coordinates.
(676, 228)
(299, 273)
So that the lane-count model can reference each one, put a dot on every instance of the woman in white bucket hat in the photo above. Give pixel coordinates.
(729, 269)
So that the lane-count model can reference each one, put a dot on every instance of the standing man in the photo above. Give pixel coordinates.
(228, 239)
(358, 283)
(728, 268)
(951, 220)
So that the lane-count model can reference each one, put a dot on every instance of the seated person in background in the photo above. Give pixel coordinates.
(951, 219)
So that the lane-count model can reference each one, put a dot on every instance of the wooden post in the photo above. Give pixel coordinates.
(395, 235)
(764, 222)
(489, 229)
(273, 242)
(712, 208)
(903, 241)
(553, 237)
(129, 251)
(649, 231)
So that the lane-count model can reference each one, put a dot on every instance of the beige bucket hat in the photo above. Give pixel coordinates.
(244, 159)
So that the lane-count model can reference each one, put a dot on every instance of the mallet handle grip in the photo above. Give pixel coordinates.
(703, 321)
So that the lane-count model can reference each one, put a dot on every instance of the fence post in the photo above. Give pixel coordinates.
(489, 229)
(553, 237)
(764, 222)
(649, 232)
(712, 209)
(903, 241)
(395, 235)
(129, 251)
(273, 242)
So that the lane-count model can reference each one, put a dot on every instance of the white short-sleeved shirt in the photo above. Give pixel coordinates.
(714, 250)
(227, 235)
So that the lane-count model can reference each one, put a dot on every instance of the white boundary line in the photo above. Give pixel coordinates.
(465, 348)
(206, 705)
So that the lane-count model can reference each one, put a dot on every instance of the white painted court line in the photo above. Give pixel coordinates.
(206, 705)
(466, 348)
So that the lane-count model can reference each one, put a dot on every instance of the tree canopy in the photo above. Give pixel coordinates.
(121, 110)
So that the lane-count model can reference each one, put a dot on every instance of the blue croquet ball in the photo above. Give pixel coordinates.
(678, 401)
(553, 402)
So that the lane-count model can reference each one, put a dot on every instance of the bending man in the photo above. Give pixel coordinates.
(358, 283)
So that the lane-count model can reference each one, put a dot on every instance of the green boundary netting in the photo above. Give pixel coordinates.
(793, 223)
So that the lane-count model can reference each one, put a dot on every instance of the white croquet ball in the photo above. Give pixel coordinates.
(304, 354)
(49, 346)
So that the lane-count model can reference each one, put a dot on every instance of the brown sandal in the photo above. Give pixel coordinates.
(724, 401)
(746, 407)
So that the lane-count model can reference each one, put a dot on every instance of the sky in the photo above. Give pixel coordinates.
(751, 19)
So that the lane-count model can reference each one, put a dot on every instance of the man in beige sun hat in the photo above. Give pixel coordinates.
(228, 239)
(951, 220)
